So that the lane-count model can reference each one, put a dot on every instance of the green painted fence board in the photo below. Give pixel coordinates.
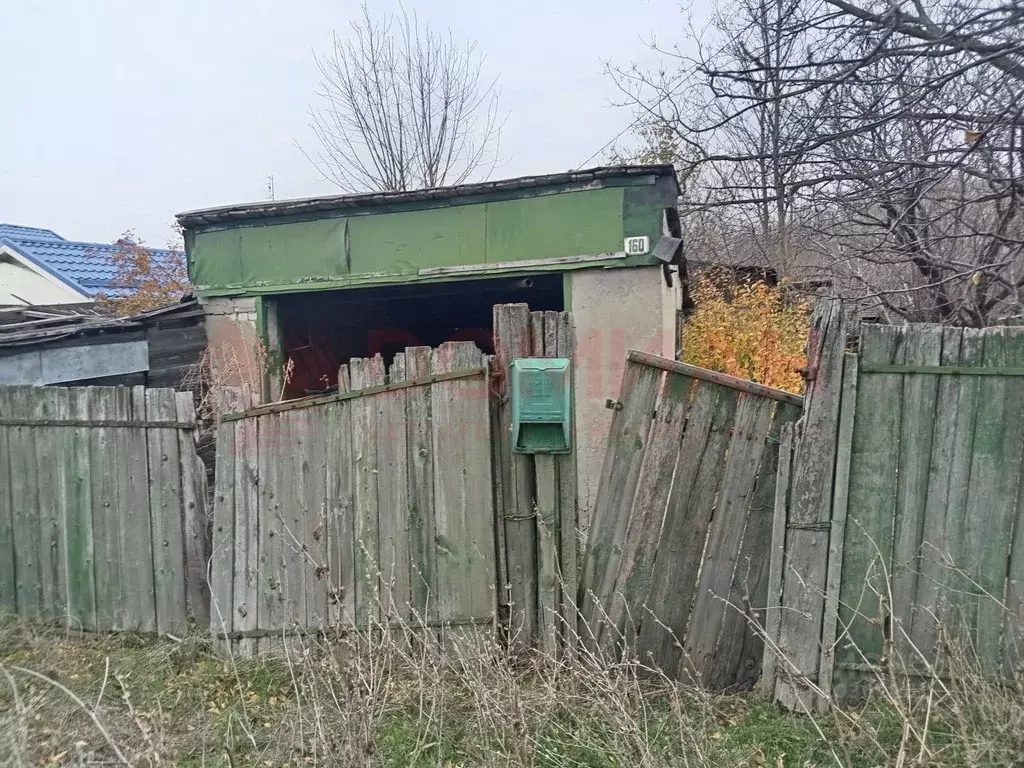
(919, 396)
(24, 504)
(934, 535)
(8, 591)
(992, 496)
(80, 503)
(872, 501)
(79, 538)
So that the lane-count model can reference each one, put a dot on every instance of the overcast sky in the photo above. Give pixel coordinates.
(117, 114)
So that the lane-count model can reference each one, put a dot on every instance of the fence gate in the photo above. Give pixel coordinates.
(677, 557)
(371, 508)
(102, 515)
(921, 524)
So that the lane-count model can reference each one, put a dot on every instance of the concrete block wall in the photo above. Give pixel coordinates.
(237, 356)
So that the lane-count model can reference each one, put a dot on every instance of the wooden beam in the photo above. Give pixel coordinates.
(715, 377)
(307, 402)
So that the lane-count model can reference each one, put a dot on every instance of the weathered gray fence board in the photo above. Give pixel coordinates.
(690, 508)
(837, 532)
(623, 458)
(677, 562)
(643, 533)
(51, 550)
(222, 562)
(166, 514)
(246, 608)
(954, 586)
(738, 654)
(366, 373)
(107, 562)
(340, 521)
(543, 332)
(462, 482)
(420, 444)
(721, 553)
(270, 613)
(315, 477)
(194, 519)
(136, 535)
(776, 563)
(811, 504)
(565, 466)
(291, 513)
(137, 522)
(393, 484)
(371, 510)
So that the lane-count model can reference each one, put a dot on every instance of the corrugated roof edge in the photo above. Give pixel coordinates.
(269, 209)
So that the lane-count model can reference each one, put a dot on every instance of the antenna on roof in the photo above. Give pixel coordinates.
(270, 186)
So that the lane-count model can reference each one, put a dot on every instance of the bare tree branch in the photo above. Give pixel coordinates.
(402, 107)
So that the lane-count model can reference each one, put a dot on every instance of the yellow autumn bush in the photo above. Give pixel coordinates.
(752, 330)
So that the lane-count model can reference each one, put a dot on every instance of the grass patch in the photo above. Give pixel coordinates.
(400, 703)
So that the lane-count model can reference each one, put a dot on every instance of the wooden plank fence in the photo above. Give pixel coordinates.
(102, 508)
(371, 508)
(925, 528)
(677, 560)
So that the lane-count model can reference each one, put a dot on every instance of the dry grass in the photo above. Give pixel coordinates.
(400, 701)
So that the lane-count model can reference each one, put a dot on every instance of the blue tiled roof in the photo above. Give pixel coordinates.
(86, 267)
(35, 233)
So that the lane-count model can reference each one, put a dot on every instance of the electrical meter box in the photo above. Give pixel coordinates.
(541, 405)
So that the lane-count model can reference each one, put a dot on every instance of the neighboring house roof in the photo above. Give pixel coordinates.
(85, 267)
(28, 326)
(571, 179)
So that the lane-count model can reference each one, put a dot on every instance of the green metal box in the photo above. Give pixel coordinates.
(541, 405)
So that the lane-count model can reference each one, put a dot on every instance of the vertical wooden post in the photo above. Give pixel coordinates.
(810, 509)
(512, 340)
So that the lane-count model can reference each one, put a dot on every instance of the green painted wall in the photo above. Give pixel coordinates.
(372, 248)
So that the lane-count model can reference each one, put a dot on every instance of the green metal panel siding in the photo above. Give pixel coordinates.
(555, 225)
(642, 213)
(409, 241)
(280, 253)
(392, 247)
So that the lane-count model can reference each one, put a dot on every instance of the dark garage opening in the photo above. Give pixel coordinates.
(321, 330)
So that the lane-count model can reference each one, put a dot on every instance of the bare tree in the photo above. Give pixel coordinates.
(402, 107)
(894, 151)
